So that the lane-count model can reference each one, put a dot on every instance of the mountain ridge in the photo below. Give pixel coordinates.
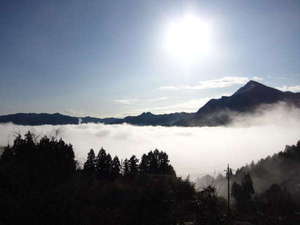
(214, 113)
(245, 100)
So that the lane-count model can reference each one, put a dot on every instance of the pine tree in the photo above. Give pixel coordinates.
(115, 168)
(243, 193)
(144, 165)
(247, 186)
(133, 166)
(108, 166)
(101, 163)
(90, 164)
(163, 163)
(125, 168)
(7, 154)
(153, 165)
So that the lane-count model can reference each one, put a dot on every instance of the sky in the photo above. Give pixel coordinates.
(109, 58)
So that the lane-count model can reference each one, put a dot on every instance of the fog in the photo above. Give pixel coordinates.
(193, 151)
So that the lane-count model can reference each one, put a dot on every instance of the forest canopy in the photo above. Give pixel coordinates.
(42, 183)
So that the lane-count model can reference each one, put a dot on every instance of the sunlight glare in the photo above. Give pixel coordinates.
(188, 39)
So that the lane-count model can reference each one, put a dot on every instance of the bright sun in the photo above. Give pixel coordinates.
(188, 38)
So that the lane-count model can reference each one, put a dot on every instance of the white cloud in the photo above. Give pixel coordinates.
(256, 78)
(215, 83)
(156, 99)
(191, 105)
(295, 88)
(192, 150)
(128, 101)
(187, 106)
(131, 101)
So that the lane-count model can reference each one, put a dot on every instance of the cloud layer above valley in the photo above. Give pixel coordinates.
(192, 150)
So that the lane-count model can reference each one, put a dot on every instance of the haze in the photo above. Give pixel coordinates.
(193, 151)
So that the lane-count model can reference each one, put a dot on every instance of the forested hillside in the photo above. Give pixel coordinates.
(268, 190)
(41, 183)
(282, 168)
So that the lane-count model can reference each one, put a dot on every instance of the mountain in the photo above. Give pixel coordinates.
(247, 98)
(148, 118)
(214, 113)
(38, 119)
(244, 100)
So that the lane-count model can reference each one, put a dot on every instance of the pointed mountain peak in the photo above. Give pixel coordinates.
(253, 86)
(253, 83)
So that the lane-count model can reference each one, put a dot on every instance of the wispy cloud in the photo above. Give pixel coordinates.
(191, 105)
(131, 101)
(215, 83)
(128, 101)
(187, 106)
(295, 88)
(257, 78)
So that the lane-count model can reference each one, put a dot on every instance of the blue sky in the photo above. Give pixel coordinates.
(107, 58)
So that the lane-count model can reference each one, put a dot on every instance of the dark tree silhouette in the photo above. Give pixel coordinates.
(90, 165)
(210, 210)
(243, 193)
(101, 163)
(41, 183)
(278, 202)
(133, 166)
(108, 166)
(156, 162)
(144, 165)
(30, 171)
(247, 186)
(125, 168)
(115, 168)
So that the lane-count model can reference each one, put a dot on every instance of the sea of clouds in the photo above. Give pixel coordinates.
(193, 151)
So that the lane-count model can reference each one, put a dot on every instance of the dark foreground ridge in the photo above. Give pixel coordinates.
(41, 183)
(214, 113)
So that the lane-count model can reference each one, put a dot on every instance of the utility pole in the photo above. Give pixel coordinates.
(228, 175)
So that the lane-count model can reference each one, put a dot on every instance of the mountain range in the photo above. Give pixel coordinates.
(215, 112)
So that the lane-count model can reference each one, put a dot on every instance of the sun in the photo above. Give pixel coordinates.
(188, 38)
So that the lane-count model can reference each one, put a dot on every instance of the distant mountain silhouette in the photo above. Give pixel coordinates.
(244, 100)
(38, 119)
(248, 97)
(148, 118)
(162, 119)
(215, 112)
